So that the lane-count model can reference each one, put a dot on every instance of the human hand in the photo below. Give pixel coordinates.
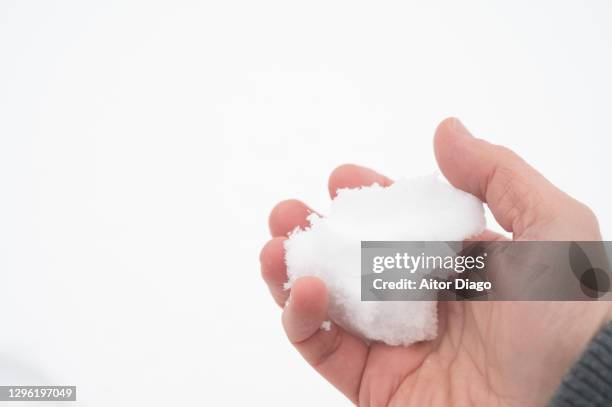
(486, 353)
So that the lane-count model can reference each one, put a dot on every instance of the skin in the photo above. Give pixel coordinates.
(486, 353)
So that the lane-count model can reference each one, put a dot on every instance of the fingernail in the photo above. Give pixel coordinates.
(458, 128)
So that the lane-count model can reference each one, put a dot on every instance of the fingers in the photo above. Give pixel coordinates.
(337, 355)
(286, 216)
(306, 309)
(274, 270)
(353, 176)
(516, 193)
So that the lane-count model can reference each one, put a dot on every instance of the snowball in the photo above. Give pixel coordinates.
(419, 209)
(326, 326)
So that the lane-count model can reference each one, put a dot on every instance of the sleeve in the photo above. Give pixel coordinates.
(589, 380)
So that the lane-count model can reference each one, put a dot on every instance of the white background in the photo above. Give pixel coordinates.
(142, 145)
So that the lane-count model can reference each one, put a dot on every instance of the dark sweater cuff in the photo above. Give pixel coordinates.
(589, 381)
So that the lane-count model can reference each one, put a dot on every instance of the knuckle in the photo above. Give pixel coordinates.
(326, 348)
(587, 215)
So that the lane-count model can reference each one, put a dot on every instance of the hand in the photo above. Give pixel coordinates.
(486, 353)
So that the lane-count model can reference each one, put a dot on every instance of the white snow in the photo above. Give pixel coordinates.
(326, 326)
(424, 208)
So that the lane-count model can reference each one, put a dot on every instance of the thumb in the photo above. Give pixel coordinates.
(517, 194)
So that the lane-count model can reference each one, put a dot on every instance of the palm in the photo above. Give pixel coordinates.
(494, 354)
(459, 368)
